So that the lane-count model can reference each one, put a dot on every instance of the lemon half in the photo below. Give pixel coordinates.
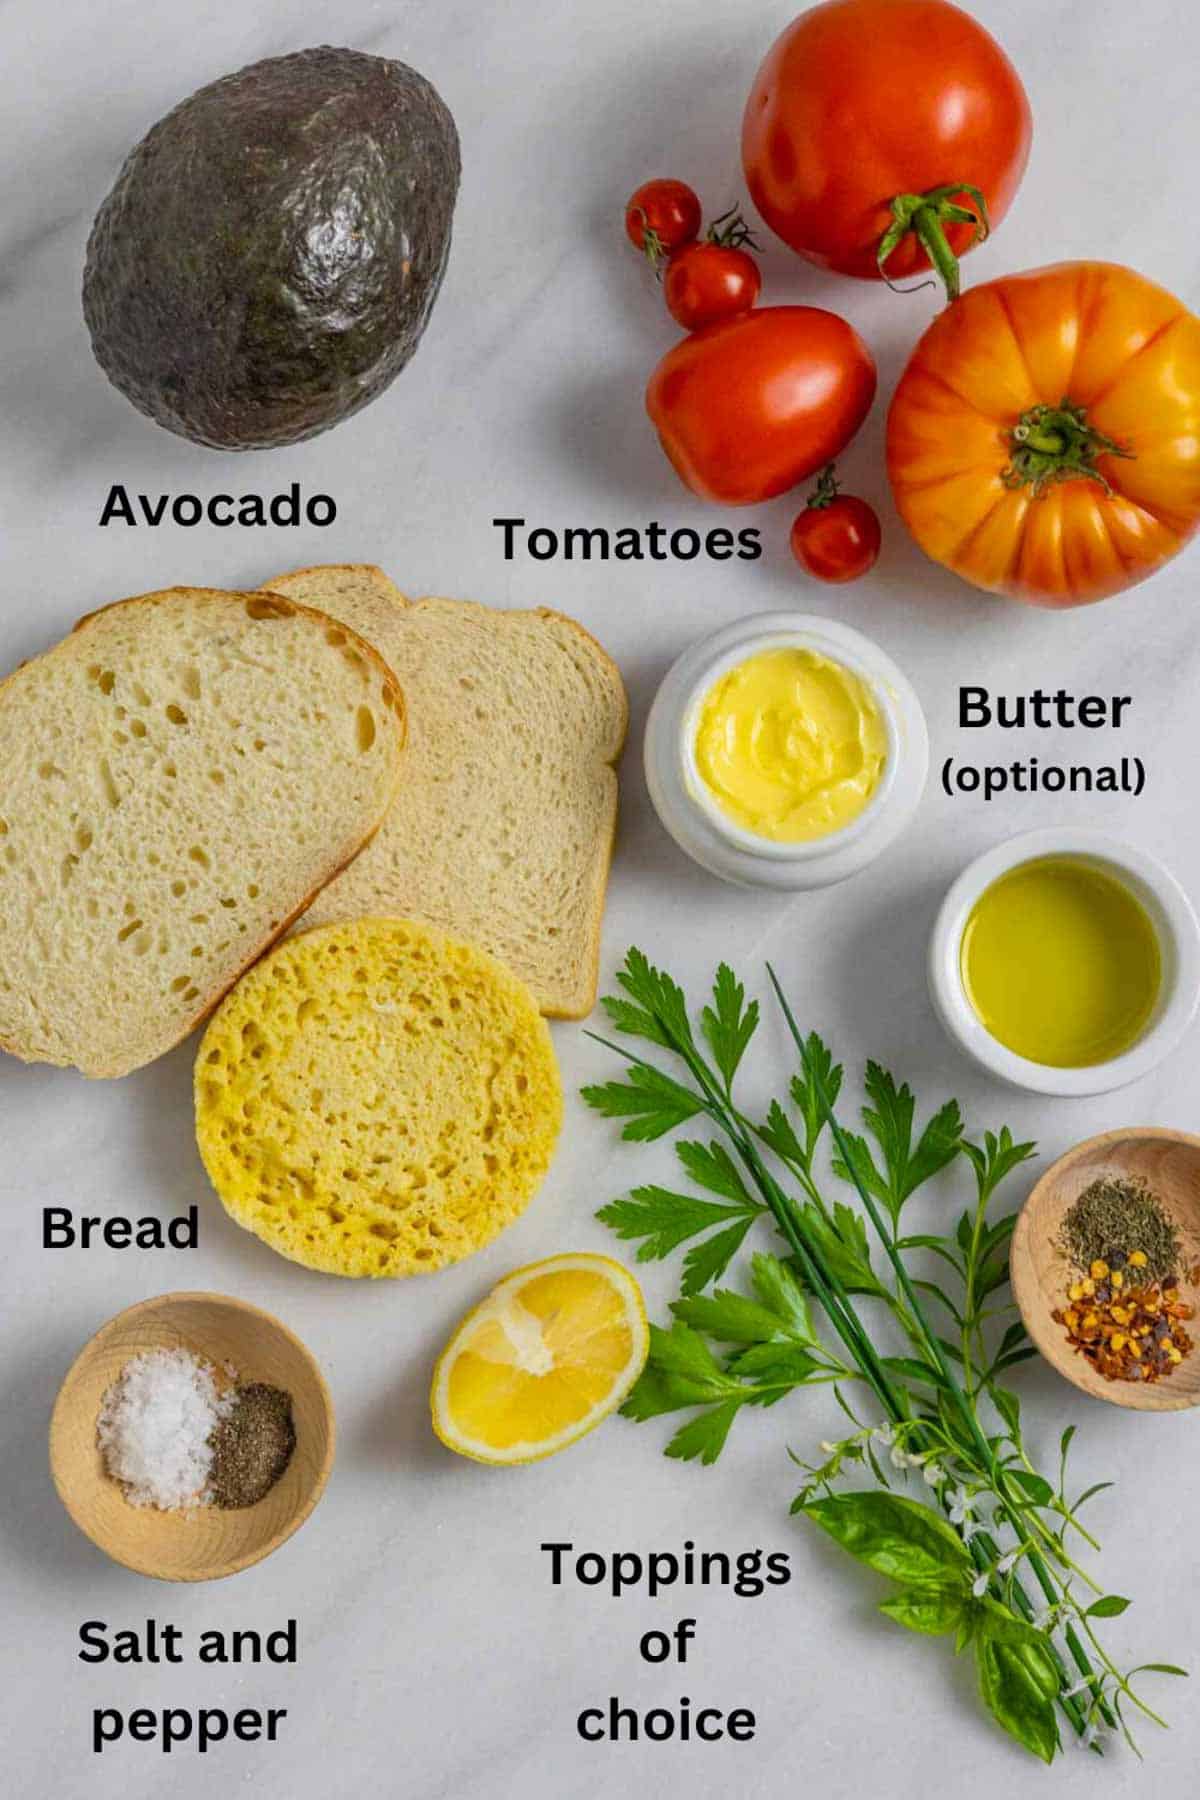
(554, 1348)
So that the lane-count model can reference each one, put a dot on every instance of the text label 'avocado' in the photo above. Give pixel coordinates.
(291, 507)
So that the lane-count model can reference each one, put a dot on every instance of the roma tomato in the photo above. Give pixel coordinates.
(882, 136)
(748, 408)
(1042, 442)
(707, 282)
(660, 216)
(837, 536)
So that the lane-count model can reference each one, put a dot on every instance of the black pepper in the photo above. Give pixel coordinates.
(252, 1447)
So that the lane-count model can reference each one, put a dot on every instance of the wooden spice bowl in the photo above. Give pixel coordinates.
(208, 1543)
(1169, 1163)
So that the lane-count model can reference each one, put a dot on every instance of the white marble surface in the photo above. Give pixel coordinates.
(436, 1659)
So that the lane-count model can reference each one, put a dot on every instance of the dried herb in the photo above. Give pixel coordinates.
(252, 1447)
(987, 1557)
(1115, 1216)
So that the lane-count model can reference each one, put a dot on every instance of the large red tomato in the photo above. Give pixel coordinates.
(1043, 439)
(748, 408)
(874, 131)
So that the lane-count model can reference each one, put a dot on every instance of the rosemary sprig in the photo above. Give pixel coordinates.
(931, 1362)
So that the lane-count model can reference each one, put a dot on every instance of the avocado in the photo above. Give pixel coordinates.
(270, 252)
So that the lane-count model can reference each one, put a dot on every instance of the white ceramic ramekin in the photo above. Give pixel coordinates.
(691, 814)
(1173, 919)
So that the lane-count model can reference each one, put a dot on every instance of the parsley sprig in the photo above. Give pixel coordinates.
(914, 1327)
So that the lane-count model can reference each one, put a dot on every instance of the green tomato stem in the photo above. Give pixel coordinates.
(825, 492)
(1050, 444)
(731, 232)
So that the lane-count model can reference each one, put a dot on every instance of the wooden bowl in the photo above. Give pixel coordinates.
(210, 1542)
(1169, 1163)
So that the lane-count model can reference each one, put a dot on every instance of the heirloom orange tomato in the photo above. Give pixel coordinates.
(1044, 440)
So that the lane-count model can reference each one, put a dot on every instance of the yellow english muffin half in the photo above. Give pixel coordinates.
(377, 1098)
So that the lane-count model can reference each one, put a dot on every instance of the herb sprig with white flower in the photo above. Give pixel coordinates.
(986, 1557)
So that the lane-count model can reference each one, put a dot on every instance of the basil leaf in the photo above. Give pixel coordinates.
(1018, 1682)
(932, 1610)
(893, 1535)
(1002, 1625)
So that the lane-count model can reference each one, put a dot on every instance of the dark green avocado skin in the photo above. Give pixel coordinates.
(271, 251)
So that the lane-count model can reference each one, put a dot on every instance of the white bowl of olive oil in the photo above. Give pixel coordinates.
(1066, 962)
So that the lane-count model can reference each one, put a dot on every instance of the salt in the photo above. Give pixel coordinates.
(154, 1427)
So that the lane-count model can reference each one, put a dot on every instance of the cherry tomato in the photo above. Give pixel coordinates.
(661, 216)
(882, 136)
(1042, 440)
(747, 408)
(707, 282)
(837, 536)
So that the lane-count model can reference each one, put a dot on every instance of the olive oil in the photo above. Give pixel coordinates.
(1061, 963)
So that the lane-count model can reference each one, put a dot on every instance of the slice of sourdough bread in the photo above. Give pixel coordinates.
(502, 831)
(179, 777)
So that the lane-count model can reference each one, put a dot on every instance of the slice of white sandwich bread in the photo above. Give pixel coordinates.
(178, 778)
(502, 830)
